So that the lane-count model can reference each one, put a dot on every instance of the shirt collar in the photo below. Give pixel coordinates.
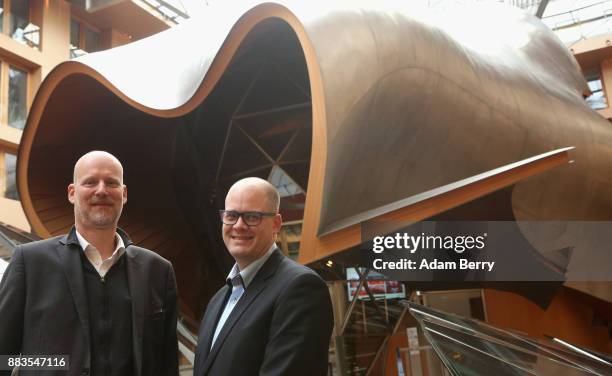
(248, 274)
(84, 243)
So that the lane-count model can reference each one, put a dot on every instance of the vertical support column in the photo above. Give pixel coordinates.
(339, 305)
(283, 239)
(55, 35)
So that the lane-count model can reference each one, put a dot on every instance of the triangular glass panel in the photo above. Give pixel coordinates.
(283, 182)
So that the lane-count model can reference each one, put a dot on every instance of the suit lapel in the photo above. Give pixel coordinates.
(135, 279)
(215, 307)
(68, 253)
(258, 284)
(208, 326)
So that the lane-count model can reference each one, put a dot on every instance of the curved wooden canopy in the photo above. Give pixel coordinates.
(366, 107)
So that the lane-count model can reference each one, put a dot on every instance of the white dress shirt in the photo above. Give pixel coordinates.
(94, 257)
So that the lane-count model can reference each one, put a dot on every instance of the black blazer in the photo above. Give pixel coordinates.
(43, 306)
(280, 326)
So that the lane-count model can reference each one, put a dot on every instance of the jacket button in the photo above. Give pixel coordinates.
(84, 372)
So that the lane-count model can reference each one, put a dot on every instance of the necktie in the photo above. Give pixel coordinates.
(237, 291)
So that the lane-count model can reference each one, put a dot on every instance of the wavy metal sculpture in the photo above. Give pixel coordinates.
(376, 110)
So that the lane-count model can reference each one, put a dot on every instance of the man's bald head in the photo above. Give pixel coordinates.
(93, 156)
(259, 200)
(97, 193)
(270, 191)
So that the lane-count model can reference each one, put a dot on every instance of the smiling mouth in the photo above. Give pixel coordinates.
(101, 205)
(237, 237)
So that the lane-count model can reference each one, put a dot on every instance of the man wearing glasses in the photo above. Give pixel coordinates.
(273, 316)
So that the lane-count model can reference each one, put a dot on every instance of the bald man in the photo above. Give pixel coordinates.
(91, 294)
(273, 316)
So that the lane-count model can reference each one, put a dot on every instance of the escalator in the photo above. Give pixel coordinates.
(366, 333)
(11, 237)
(368, 317)
(187, 342)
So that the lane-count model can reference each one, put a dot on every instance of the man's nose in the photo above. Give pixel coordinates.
(101, 189)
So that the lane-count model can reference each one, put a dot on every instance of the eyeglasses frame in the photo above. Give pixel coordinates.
(240, 215)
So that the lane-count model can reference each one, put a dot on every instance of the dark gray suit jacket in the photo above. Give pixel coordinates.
(43, 306)
(280, 326)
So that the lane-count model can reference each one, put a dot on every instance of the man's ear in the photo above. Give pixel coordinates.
(124, 193)
(71, 193)
(278, 222)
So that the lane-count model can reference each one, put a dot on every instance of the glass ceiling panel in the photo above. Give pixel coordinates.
(176, 11)
(283, 182)
(571, 20)
(574, 20)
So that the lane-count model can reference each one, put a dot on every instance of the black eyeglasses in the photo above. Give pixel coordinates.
(251, 218)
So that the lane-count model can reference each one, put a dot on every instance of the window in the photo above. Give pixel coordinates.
(597, 100)
(92, 40)
(1, 13)
(19, 16)
(17, 98)
(16, 20)
(10, 180)
(75, 34)
(14, 96)
(83, 39)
